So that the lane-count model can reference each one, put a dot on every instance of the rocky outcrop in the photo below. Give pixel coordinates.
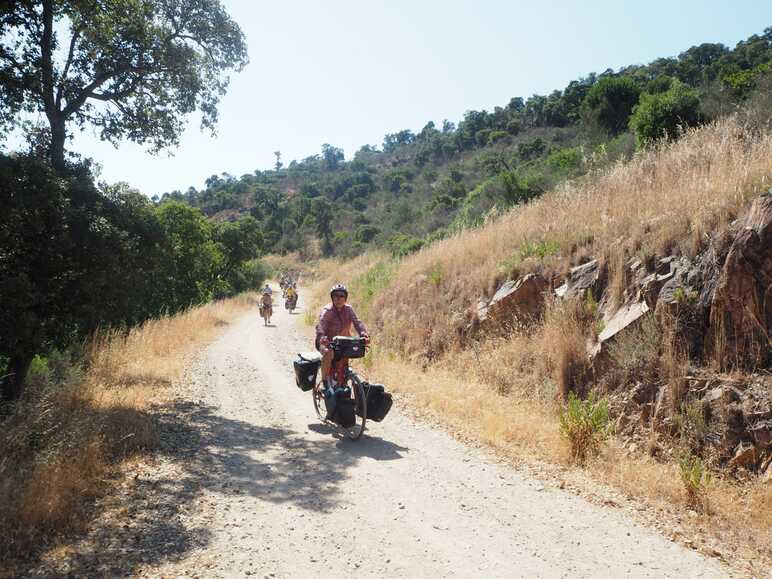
(624, 318)
(713, 305)
(580, 279)
(521, 299)
(741, 308)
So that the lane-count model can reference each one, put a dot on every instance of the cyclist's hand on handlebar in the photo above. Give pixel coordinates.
(324, 341)
(367, 339)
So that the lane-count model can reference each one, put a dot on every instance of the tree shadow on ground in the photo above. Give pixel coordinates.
(200, 450)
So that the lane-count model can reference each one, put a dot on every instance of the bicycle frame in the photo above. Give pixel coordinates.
(357, 383)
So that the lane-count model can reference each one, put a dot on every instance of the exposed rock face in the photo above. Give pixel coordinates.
(741, 309)
(581, 278)
(624, 317)
(522, 299)
(715, 304)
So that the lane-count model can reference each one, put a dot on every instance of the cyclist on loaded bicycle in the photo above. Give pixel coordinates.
(336, 319)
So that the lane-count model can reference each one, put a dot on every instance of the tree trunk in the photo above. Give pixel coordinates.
(16, 372)
(58, 136)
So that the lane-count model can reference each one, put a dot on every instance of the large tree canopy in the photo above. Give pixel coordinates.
(132, 68)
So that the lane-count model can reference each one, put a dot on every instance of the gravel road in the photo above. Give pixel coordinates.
(281, 495)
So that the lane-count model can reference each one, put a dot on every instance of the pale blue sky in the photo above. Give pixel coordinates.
(346, 72)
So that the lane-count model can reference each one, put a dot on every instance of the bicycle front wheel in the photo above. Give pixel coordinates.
(355, 431)
(319, 407)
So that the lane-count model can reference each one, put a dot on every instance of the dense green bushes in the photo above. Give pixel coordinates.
(74, 258)
(662, 115)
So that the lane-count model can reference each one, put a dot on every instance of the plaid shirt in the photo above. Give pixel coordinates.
(333, 322)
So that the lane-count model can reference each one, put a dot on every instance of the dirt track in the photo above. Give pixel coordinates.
(249, 482)
(285, 496)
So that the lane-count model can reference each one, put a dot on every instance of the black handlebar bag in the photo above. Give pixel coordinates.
(346, 347)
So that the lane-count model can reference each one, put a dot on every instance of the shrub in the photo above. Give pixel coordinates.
(39, 374)
(366, 233)
(541, 250)
(610, 102)
(251, 275)
(696, 480)
(531, 150)
(585, 425)
(661, 115)
(496, 136)
(517, 188)
(566, 160)
(370, 283)
(635, 353)
(401, 245)
(691, 423)
(436, 275)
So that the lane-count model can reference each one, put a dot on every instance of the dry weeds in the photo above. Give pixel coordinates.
(60, 442)
(665, 200)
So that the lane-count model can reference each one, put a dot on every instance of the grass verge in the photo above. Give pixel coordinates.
(60, 443)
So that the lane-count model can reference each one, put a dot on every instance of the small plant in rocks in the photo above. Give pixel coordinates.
(696, 479)
(585, 425)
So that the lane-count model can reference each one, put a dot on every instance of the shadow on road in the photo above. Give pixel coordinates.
(206, 451)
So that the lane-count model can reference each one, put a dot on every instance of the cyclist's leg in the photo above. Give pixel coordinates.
(340, 370)
(327, 355)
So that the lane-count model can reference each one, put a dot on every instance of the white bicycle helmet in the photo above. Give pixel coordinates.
(338, 287)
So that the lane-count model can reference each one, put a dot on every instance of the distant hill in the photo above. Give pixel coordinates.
(422, 186)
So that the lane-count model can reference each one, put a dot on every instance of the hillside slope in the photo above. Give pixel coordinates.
(425, 185)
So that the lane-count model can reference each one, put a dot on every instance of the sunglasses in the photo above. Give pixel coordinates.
(339, 295)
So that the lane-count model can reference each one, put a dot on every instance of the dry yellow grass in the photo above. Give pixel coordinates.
(331, 272)
(472, 409)
(59, 442)
(737, 515)
(663, 200)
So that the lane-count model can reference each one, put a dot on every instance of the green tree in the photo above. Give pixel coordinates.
(516, 188)
(610, 102)
(239, 242)
(322, 211)
(393, 140)
(366, 233)
(192, 260)
(661, 115)
(132, 69)
(72, 259)
(333, 156)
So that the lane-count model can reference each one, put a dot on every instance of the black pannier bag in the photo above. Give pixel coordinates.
(349, 347)
(306, 367)
(378, 402)
(344, 408)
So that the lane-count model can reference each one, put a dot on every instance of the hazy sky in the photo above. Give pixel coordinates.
(346, 72)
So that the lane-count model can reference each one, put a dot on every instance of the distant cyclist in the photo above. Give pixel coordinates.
(266, 304)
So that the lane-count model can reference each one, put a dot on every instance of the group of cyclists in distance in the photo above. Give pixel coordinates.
(289, 290)
(337, 318)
